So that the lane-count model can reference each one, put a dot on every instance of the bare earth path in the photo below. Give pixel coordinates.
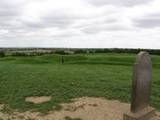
(85, 108)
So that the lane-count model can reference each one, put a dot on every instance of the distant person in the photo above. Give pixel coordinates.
(62, 60)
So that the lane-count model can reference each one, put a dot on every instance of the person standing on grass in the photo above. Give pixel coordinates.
(62, 60)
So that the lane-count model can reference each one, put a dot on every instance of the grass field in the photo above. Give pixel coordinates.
(98, 75)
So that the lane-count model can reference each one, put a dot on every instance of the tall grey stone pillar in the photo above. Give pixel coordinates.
(141, 89)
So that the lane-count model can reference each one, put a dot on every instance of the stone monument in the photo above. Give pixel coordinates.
(141, 89)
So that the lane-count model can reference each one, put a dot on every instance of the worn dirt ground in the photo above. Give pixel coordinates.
(85, 108)
(38, 100)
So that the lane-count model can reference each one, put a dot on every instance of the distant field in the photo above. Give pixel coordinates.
(99, 75)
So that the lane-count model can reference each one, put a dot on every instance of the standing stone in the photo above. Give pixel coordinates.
(141, 89)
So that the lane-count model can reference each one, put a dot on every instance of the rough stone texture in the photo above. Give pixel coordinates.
(141, 89)
(141, 85)
(146, 114)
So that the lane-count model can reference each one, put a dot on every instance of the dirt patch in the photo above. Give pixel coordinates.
(85, 108)
(38, 100)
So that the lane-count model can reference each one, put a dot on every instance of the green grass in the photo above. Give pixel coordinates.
(69, 118)
(98, 75)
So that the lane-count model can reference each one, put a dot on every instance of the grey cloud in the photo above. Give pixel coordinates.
(10, 23)
(149, 21)
(128, 3)
(17, 26)
(11, 18)
(9, 14)
(92, 30)
(103, 25)
(98, 23)
(11, 8)
(60, 20)
(55, 18)
(47, 23)
(117, 28)
(111, 28)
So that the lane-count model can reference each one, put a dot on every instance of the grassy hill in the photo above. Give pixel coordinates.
(106, 75)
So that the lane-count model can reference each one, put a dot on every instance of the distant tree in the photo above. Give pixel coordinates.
(18, 54)
(61, 52)
(2, 54)
(79, 51)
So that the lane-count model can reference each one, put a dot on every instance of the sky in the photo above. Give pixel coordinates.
(80, 23)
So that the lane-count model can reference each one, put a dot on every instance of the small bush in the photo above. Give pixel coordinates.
(61, 52)
(18, 54)
(80, 51)
(2, 54)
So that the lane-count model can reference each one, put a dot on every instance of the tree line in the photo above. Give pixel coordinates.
(65, 51)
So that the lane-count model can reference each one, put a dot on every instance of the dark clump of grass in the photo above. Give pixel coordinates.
(6, 109)
(69, 118)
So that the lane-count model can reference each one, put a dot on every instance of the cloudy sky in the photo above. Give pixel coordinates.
(80, 23)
